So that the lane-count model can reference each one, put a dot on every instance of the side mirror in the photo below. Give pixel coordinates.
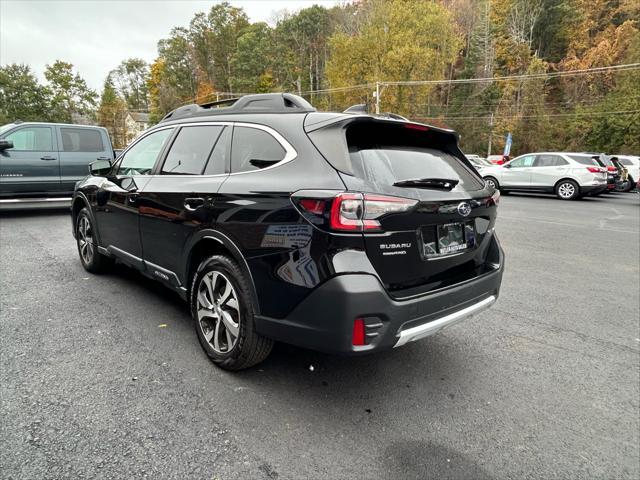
(5, 144)
(100, 168)
(506, 165)
(128, 184)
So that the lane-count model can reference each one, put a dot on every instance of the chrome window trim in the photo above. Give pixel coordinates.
(290, 152)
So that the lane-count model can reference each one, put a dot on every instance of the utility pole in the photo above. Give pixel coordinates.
(377, 98)
(490, 134)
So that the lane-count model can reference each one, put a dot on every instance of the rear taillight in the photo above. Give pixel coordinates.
(350, 211)
(494, 199)
(312, 205)
(358, 212)
(595, 169)
(611, 169)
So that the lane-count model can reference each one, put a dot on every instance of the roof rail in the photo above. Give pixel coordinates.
(258, 103)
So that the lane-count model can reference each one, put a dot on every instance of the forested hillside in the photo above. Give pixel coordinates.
(426, 59)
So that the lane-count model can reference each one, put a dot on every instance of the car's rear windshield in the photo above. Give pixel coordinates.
(383, 154)
(584, 159)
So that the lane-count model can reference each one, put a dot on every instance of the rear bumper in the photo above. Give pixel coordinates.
(593, 189)
(324, 320)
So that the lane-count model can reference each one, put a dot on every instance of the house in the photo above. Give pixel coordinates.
(135, 123)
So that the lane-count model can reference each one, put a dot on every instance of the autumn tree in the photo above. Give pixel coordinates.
(400, 41)
(112, 113)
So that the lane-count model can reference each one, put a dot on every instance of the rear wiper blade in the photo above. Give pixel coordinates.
(439, 183)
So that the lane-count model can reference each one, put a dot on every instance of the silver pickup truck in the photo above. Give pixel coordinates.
(41, 162)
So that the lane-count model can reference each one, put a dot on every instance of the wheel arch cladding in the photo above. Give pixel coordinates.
(214, 244)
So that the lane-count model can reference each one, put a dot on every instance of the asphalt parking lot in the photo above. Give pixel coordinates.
(103, 376)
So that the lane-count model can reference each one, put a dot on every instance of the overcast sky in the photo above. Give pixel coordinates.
(95, 36)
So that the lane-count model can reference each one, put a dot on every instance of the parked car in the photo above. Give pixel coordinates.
(498, 159)
(41, 162)
(568, 175)
(632, 164)
(478, 162)
(615, 171)
(337, 232)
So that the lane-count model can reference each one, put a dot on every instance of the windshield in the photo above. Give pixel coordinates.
(6, 127)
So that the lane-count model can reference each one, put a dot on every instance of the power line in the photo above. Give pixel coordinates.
(480, 117)
(567, 73)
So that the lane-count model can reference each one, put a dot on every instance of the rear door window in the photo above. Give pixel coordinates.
(191, 150)
(549, 161)
(81, 140)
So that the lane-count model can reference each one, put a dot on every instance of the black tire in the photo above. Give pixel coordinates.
(492, 180)
(248, 348)
(632, 184)
(567, 190)
(92, 260)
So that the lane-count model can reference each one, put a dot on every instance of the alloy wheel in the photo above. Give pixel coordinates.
(490, 183)
(566, 190)
(218, 312)
(85, 240)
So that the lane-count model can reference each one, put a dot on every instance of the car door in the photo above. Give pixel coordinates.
(180, 198)
(517, 173)
(79, 146)
(547, 170)
(116, 203)
(32, 166)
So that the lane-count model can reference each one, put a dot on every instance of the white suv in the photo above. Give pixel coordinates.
(568, 175)
(632, 164)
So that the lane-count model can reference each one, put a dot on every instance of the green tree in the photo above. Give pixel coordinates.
(214, 38)
(69, 92)
(131, 79)
(253, 59)
(21, 96)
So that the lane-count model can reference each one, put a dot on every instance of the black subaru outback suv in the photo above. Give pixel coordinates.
(345, 233)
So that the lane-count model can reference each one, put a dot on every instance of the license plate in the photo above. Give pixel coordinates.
(451, 238)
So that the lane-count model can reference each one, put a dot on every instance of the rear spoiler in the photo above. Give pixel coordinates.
(328, 133)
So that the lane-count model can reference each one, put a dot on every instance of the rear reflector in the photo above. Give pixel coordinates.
(358, 332)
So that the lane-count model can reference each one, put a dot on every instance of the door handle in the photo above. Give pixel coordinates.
(48, 158)
(103, 158)
(192, 203)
